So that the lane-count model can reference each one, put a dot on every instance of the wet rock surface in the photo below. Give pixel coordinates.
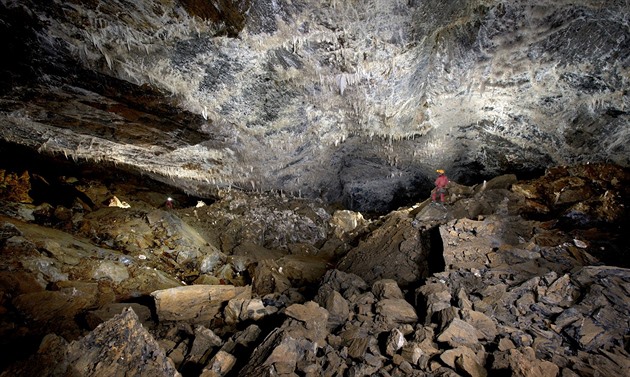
(494, 282)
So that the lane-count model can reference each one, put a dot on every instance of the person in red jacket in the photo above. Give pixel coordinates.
(440, 186)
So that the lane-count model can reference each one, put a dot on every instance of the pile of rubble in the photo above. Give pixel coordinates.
(493, 283)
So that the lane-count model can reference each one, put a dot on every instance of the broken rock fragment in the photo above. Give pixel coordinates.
(195, 303)
(118, 347)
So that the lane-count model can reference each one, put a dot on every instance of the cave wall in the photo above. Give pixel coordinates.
(352, 102)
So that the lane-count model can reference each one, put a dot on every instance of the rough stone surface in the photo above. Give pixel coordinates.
(396, 311)
(195, 303)
(353, 103)
(105, 313)
(396, 251)
(118, 347)
(459, 333)
(534, 300)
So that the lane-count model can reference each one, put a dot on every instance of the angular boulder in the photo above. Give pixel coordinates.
(196, 303)
(118, 347)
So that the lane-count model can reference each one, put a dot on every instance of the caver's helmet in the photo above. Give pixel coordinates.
(440, 171)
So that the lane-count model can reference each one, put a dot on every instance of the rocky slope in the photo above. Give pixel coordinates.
(520, 278)
(352, 102)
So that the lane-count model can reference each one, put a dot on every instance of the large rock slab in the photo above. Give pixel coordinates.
(195, 303)
(396, 250)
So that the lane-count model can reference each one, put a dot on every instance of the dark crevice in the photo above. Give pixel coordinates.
(435, 258)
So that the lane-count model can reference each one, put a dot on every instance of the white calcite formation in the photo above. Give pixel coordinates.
(352, 102)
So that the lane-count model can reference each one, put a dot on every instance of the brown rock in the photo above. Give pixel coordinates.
(238, 310)
(302, 269)
(588, 331)
(14, 187)
(449, 357)
(55, 309)
(116, 272)
(506, 344)
(504, 182)
(348, 284)
(345, 222)
(486, 327)
(19, 282)
(459, 333)
(463, 302)
(561, 292)
(436, 296)
(205, 340)
(195, 303)
(118, 347)
(396, 311)
(412, 352)
(523, 363)
(570, 190)
(445, 316)
(314, 319)
(338, 309)
(280, 351)
(393, 251)
(220, 365)
(268, 278)
(386, 288)
(469, 365)
(144, 281)
(358, 347)
(242, 338)
(526, 189)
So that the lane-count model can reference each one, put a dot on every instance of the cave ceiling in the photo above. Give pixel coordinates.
(356, 102)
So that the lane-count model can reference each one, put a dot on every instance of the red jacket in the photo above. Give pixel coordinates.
(441, 181)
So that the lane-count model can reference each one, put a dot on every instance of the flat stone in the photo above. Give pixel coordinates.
(459, 333)
(486, 327)
(195, 303)
(396, 311)
(588, 331)
(55, 309)
(358, 347)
